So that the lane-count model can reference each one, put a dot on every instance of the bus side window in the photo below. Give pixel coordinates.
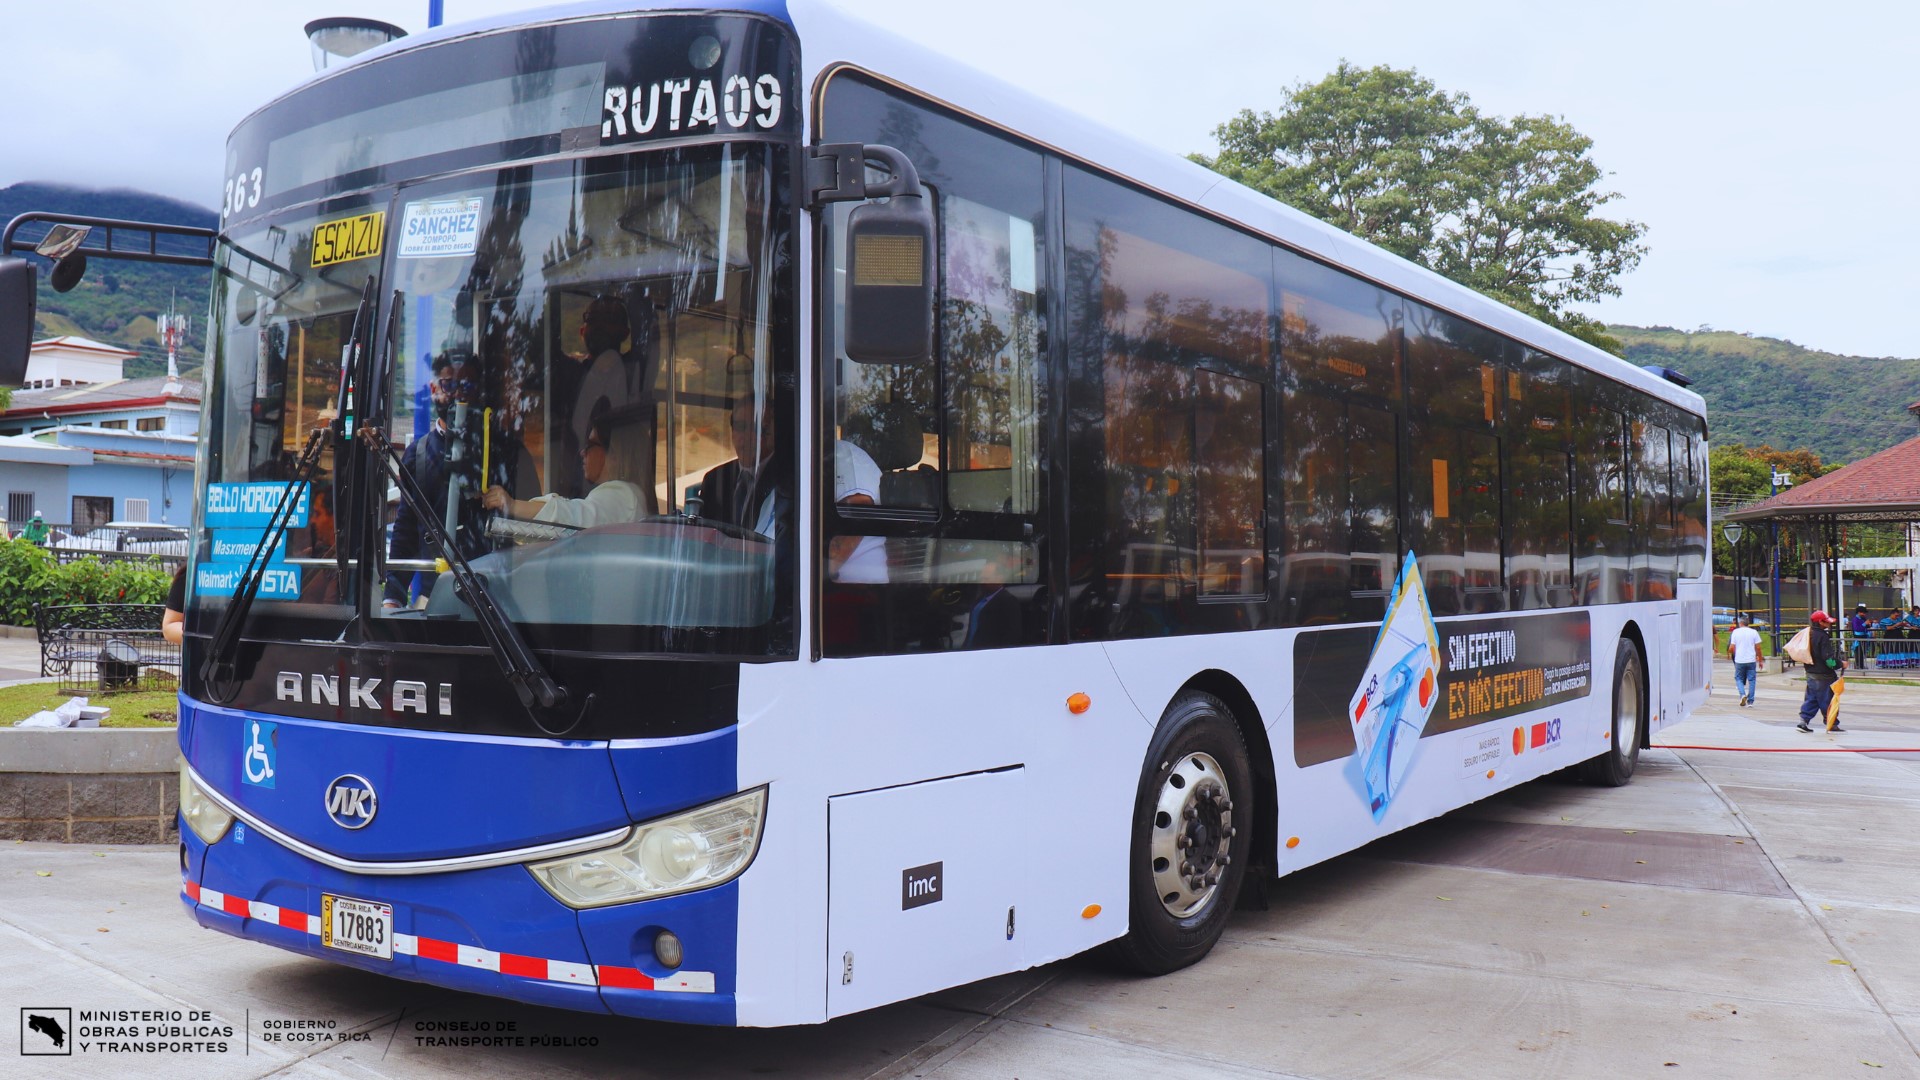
(1171, 354)
(1453, 467)
(1539, 555)
(1340, 374)
(939, 547)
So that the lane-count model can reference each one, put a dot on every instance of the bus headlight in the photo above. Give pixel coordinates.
(697, 849)
(201, 813)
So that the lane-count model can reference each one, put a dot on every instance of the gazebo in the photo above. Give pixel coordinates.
(1883, 489)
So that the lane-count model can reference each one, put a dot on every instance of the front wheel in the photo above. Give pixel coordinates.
(1615, 767)
(1192, 831)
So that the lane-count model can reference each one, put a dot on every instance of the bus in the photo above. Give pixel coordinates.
(726, 516)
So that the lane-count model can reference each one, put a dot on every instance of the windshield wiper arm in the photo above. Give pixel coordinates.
(539, 692)
(219, 673)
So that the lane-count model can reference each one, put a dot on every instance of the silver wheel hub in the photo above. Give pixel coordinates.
(1626, 713)
(1192, 834)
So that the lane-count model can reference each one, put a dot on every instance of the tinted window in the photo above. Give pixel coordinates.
(1454, 370)
(1340, 364)
(1539, 553)
(1169, 352)
(936, 472)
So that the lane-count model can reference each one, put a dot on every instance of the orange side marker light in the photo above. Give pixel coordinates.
(1090, 911)
(1293, 842)
(1078, 703)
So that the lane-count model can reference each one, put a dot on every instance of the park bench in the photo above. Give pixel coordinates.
(104, 648)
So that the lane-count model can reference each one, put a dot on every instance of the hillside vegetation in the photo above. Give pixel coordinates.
(119, 301)
(1764, 390)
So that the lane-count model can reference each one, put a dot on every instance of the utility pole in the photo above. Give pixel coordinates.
(1775, 481)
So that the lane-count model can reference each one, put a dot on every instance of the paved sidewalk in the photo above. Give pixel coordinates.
(19, 657)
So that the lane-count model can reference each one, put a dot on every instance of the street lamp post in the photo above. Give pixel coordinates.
(1733, 531)
(1775, 481)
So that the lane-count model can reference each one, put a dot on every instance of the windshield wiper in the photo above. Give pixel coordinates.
(539, 693)
(220, 671)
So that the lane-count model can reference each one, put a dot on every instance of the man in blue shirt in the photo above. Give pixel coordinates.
(1860, 627)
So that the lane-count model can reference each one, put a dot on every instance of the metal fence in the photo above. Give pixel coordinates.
(106, 648)
(123, 542)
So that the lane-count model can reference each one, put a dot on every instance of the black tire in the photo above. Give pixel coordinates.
(1197, 762)
(1615, 767)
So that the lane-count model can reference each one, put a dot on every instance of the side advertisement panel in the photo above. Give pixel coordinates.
(1410, 711)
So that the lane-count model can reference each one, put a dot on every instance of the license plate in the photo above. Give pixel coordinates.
(356, 926)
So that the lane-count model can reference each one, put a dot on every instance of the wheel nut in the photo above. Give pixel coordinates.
(1183, 841)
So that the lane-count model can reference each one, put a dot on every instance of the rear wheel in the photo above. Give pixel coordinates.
(1191, 834)
(1615, 767)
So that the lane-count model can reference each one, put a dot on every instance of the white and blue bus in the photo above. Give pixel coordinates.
(797, 525)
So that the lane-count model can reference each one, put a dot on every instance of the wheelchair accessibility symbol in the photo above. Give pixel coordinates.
(259, 752)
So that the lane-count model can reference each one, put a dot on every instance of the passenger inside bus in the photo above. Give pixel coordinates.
(749, 490)
(622, 380)
(445, 462)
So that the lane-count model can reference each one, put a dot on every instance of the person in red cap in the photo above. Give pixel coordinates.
(1821, 673)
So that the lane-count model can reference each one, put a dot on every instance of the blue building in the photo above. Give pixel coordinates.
(89, 450)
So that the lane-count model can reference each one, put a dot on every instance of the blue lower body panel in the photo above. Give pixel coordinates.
(495, 930)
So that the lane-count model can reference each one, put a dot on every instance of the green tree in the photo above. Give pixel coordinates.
(1733, 470)
(1505, 206)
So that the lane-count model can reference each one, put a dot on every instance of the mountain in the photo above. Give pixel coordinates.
(119, 301)
(1765, 390)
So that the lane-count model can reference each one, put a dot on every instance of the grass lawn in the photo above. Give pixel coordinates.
(144, 708)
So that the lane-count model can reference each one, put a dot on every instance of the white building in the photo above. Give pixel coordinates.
(73, 361)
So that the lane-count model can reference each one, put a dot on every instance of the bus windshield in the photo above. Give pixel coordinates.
(580, 377)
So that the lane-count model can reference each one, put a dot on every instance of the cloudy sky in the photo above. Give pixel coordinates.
(1767, 146)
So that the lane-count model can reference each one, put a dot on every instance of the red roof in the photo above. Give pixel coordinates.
(1887, 482)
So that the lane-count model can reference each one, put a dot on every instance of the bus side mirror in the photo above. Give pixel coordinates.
(890, 282)
(890, 250)
(17, 306)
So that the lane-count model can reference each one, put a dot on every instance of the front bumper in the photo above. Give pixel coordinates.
(490, 931)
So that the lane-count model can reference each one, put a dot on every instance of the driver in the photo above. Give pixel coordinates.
(614, 459)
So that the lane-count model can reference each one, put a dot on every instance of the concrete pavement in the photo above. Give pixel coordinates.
(19, 654)
(1733, 912)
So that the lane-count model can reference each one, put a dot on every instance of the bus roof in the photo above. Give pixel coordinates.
(830, 37)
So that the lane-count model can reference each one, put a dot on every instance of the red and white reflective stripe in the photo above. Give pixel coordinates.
(447, 952)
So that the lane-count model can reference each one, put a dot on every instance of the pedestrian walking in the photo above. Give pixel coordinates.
(1823, 670)
(36, 530)
(1743, 648)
